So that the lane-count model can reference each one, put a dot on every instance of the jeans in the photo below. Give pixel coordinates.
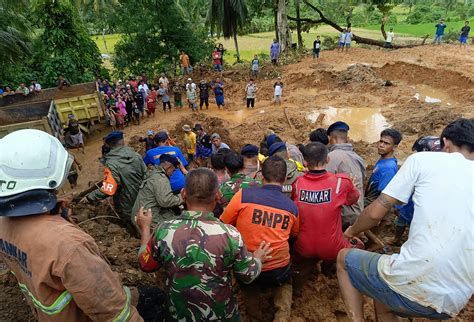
(438, 39)
(364, 275)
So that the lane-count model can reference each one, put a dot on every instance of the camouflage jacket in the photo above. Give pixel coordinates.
(198, 253)
(238, 181)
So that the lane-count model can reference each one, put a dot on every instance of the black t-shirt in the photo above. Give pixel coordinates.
(317, 45)
(465, 31)
(73, 126)
(205, 141)
(204, 90)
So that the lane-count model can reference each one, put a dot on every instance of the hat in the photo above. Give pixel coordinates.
(197, 126)
(249, 150)
(339, 125)
(186, 128)
(114, 137)
(215, 136)
(149, 132)
(271, 139)
(169, 158)
(202, 81)
(190, 79)
(161, 137)
(276, 147)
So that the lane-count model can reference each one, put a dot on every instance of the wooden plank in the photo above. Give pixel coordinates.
(287, 118)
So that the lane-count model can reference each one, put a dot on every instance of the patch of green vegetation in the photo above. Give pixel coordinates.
(111, 40)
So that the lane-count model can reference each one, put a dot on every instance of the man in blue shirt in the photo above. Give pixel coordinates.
(152, 156)
(439, 32)
(385, 168)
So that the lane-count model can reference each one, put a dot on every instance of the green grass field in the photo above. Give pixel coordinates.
(420, 30)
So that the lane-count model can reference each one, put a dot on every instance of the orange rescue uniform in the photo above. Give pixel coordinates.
(61, 272)
(264, 214)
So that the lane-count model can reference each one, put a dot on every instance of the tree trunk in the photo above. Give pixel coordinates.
(298, 24)
(236, 44)
(284, 33)
(382, 26)
(105, 42)
(275, 18)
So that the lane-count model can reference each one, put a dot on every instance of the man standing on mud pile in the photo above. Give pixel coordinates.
(343, 159)
(432, 276)
(123, 173)
(199, 280)
(275, 50)
(439, 32)
(267, 214)
(203, 146)
(162, 147)
(385, 168)
(58, 266)
(155, 191)
(319, 196)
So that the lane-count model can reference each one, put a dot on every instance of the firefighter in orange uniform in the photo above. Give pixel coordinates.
(58, 266)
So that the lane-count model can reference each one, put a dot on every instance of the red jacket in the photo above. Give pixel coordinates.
(319, 197)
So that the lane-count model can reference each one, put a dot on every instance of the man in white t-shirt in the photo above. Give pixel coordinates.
(432, 277)
(278, 86)
(163, 80)
(348, 40)
(389, 39)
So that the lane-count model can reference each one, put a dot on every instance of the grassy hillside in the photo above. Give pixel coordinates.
(420, 30)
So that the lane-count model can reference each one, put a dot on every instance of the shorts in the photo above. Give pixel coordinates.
(388, 44)
(178, 103)
(190, 157)
(218, 67)
(77, 139)
(277, 98)
(341, 44)
(316, 52)
(347, 44)
(364, 276)
(220, 100)
(463, 39)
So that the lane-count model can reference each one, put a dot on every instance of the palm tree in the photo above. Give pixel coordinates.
(14, 30)
(226, 17)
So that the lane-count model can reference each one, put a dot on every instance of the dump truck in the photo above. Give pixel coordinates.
(49, 110)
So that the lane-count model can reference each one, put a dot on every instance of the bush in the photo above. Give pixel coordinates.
(422, 14)
(330, 43)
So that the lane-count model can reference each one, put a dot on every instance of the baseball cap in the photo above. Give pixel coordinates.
(271, 139)
(169, 158)
(149, 132)
(339, 125)
(114, 137)
(249, 150)
(215, 136)
(161, 137)
(276, 147)
(186, 128)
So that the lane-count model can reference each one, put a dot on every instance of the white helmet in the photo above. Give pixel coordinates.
(32, 160)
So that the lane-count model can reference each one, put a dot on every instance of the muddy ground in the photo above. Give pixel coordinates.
(349, 87)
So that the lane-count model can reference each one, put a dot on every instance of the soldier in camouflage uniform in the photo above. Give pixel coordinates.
(198, 253)
(234, 164)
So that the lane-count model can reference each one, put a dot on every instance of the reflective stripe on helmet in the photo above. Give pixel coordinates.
(125, 313)
(61, 302)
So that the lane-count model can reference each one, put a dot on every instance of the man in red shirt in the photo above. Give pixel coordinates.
(319, 196)
(267, 214)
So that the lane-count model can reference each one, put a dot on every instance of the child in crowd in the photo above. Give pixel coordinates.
(278, 92)
(177, 93)
(136, 113)
(342, 40)
(255, 66)
(151, 101)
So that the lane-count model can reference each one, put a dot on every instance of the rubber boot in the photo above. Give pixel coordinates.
(282, 301)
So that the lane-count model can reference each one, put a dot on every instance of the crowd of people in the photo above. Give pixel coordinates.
(267, 213)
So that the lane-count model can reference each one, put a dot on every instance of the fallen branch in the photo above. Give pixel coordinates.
(287, 118)
(359, 40)
(98, 217)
